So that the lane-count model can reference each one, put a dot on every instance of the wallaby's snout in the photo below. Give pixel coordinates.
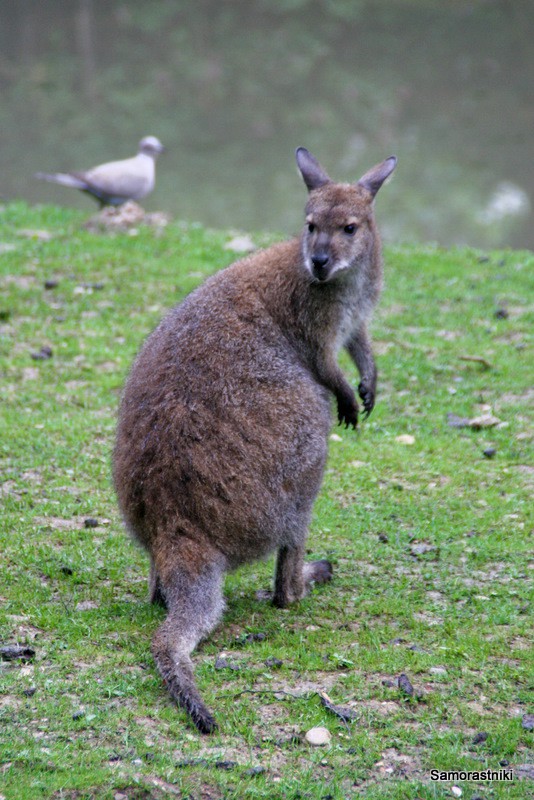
(321, 272)
(320, 259)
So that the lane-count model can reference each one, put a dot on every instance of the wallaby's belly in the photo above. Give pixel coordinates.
(222, 435)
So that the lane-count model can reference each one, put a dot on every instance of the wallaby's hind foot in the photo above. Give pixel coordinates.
(318, 571)
(191, 583)
(293, 576)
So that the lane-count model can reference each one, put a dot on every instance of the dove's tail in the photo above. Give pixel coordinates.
(62, 178)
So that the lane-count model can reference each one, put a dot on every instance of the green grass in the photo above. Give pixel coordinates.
(88, 717)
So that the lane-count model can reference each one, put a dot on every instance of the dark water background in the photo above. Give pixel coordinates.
(231, 88)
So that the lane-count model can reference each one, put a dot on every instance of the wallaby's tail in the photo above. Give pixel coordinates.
(176, 669)
(192, 588)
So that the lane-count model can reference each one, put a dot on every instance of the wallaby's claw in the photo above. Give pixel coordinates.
(349, 417)
(368, 399)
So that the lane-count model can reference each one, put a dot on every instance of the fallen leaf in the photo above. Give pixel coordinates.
(346, 714)
(42, 236)
(477, 360)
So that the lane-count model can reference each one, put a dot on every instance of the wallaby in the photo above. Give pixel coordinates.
(224, 422)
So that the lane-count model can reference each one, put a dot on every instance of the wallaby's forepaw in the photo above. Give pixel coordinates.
(367, 395)
(347, 410)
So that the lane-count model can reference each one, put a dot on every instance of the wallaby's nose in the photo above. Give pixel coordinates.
(320, 260)
(320, 266)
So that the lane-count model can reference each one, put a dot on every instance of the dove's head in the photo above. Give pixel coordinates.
(151, 146)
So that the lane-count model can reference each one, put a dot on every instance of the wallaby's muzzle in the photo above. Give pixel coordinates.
(321, 266)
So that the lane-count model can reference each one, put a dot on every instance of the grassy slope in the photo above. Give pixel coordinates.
(454, 618)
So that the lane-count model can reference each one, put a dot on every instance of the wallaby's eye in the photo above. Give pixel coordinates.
(311, 227)
(350, 230)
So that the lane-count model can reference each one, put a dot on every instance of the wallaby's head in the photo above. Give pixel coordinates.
(339, 233)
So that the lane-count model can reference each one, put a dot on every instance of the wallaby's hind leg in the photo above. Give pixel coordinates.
(192, 588)
(293, 576)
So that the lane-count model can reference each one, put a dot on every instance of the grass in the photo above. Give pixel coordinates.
(430, 538)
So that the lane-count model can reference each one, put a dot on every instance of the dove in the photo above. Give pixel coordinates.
(115, 182)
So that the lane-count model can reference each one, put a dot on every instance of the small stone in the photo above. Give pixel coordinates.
(489, 452)
(383, 537)
(223, 663)
(14, 652)
(263, 595)
(30, 691)
(43, 354)
(255, 637)
(501, 313)
(527, 722)
(456, 791)
(405, 438)
(334, 437)
(90, 522)
(403, 682)
(255, 771)
(86, 605)
(454, 421)
(273, 663)
(479, 738)
(421, 548)
(51, 284)
(525, 772)
(318, 737)
(437, 671)
(240, 244)
(484, 421)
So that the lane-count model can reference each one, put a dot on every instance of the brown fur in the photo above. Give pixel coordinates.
(223, 426)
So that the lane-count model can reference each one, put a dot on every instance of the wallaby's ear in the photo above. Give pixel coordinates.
(313, 174)
(373, 180)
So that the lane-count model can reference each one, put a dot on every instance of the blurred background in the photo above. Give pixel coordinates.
(231, 88)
